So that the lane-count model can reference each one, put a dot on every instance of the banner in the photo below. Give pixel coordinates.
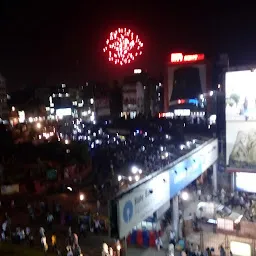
(241, 119)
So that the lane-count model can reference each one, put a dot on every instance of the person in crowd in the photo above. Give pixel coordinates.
(172, 237)
(41, 232)
(97, 226)
(50, 219)
(159, 243)
(54, 242)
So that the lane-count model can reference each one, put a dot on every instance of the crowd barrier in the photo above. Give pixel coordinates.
(143, 238)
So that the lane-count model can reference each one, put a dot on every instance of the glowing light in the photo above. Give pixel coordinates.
(81, 197)
(181, 58)
(185, 196)
(137, 177)
(123, 46)
(38, 125)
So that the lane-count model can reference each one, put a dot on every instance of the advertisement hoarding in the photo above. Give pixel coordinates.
(142, 202)
(245, 181)
(63, 112)
(183, 173)
(241, 119)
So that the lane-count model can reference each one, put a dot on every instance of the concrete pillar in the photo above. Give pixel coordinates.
(233, 181)
(214, 177)
(175, 215)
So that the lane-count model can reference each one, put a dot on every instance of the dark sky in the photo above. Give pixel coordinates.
(49, 42)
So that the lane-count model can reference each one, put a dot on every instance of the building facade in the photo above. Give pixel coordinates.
(3, 99)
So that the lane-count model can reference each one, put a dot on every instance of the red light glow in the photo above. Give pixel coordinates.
(181, 58)
(123, 46)
(181, 101)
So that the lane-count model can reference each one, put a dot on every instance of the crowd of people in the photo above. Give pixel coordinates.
(146, 150)
(50, 227)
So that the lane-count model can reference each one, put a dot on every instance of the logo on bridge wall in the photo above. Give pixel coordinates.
(128, 211)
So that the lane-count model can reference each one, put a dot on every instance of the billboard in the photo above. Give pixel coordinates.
(63, 112)
(241, 120)
(186, 171)
(245, 181)
(142, 202)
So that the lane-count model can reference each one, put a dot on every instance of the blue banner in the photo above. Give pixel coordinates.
(184, 173)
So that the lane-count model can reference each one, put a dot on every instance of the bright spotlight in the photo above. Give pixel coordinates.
(135, 169)
(81, 197)
(140, 171)
(69, 188)
(66, 141)
(185, 195)
(119, 178)
(130, 178)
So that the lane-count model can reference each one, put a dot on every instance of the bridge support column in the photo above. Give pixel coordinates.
(175, 215)
(214, 177)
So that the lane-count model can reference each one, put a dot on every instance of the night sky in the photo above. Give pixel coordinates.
(48, 42)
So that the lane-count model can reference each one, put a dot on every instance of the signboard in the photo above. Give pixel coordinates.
(182, 58)
(142, 202)
(183, 173)
(245, 181)
(241, 120)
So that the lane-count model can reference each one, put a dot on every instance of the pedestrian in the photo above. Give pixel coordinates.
(172, 238)
(159, 243)
(50, 219)
(27, 232)
(54, 242)
(98, 206)
(97, 226)
(82, 229)
(199, 193)
(41, 232)
(31, 240)
(69, 251)
(222, 251)
(44, 244)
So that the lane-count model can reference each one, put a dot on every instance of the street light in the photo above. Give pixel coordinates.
(184, 195)
(81, 197)
(135, 169)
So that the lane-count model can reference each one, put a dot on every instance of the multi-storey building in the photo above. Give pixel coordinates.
(3, 99)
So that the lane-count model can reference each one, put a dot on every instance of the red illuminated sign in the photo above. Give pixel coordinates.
(181, 58)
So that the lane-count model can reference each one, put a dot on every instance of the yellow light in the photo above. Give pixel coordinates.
(38, 125)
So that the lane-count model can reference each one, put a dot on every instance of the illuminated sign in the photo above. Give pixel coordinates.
(137, 71)
(181, 58)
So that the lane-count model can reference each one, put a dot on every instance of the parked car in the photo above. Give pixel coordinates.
(211, 210)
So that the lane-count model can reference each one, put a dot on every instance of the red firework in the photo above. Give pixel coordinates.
(123, 46)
